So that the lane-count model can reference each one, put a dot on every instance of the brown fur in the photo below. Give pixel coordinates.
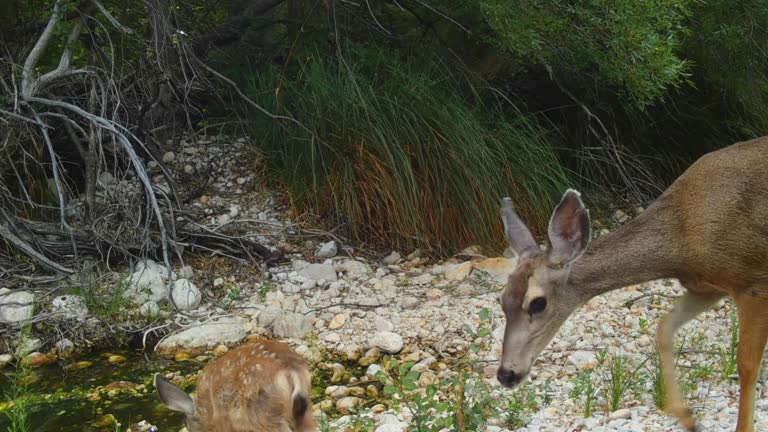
(709, 229)
(253, 389)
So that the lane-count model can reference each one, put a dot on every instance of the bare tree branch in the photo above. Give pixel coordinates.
(20, 244)
(28, 82)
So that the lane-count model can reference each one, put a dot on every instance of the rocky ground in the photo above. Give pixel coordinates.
(352, 314)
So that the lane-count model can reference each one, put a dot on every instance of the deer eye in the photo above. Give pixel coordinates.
(537, 305)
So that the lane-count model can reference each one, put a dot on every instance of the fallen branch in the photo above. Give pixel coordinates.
(21, 245)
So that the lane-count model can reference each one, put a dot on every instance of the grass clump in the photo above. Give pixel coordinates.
(397, 156)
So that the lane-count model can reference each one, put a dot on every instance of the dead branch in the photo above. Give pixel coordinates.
(20, 244)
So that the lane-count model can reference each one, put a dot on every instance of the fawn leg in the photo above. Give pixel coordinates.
(753, 332)
(690, 305)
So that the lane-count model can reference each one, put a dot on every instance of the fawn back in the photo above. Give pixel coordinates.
(257, 387)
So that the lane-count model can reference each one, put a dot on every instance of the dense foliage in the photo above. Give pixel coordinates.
(412, 117)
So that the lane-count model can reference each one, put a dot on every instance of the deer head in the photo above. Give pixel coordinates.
(537, 300)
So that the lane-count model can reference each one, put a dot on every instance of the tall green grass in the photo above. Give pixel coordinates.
(400, 156)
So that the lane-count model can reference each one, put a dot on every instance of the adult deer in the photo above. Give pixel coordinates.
(709, 230)
(257, 387)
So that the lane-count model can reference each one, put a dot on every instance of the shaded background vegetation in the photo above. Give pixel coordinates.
(411, 118)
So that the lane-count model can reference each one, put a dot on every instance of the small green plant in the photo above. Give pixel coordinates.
(402, 384)
(585, 391)
(265, 289)
(643, 323)
(657, 380)
(522, 403)
(104, 301)
(728, 354)
(20, 394)
(622, 377)
(233, 293)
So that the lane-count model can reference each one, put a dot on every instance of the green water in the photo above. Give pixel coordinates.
(61, 397)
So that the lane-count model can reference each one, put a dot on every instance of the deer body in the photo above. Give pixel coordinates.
(709, 230)
(257, 387)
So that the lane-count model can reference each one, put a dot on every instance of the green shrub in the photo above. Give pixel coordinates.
(398, 156)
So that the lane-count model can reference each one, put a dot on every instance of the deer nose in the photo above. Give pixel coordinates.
(507, 377)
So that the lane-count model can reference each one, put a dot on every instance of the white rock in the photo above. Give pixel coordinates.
(390, 427)
(269, 315)
(623, 413)
(382, 324)
(408, 302)
(391, 259)
(169, 157)
(583, 359)
(218, 282)
(64, 346)
(389, 419)
(27, 346)
(290, 288)
(70, 306)
(424, 279)
(146, 285)
(186, 272)
(226, 331)
(327, 250)
(107, 179)
(355, 269)
(189, 169)
(424, 364)
(185, 294)
(308, 285)
(291, 325)
(347, 404)
(387, 341)
(149, 309)
(338, 321)
(16, 306)
(318, 271)
(372, 370)
(154, 267)
(332, 337)
(5, 359)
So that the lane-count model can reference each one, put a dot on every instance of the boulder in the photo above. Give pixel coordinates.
(16, 306)
(145, 285)
(291, 325)
(69, 306)
(327, 250)
(185, 294)
(318, 272)
(196, 340)
(388, 342)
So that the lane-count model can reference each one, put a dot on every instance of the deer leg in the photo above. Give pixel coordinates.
(753, 332)
(687, 308)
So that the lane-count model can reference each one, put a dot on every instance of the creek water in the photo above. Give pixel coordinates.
(64, 398)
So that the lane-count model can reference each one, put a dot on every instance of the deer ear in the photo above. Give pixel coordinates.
(569, 230)
(518, 235)
(173, 397)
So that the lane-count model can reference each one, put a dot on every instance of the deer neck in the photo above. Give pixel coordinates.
(640, 251)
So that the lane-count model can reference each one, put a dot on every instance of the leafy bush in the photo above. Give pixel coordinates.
(631, 46)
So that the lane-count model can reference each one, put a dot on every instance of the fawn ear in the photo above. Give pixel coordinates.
(173, 397)
(569, 230)
(518, 235)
